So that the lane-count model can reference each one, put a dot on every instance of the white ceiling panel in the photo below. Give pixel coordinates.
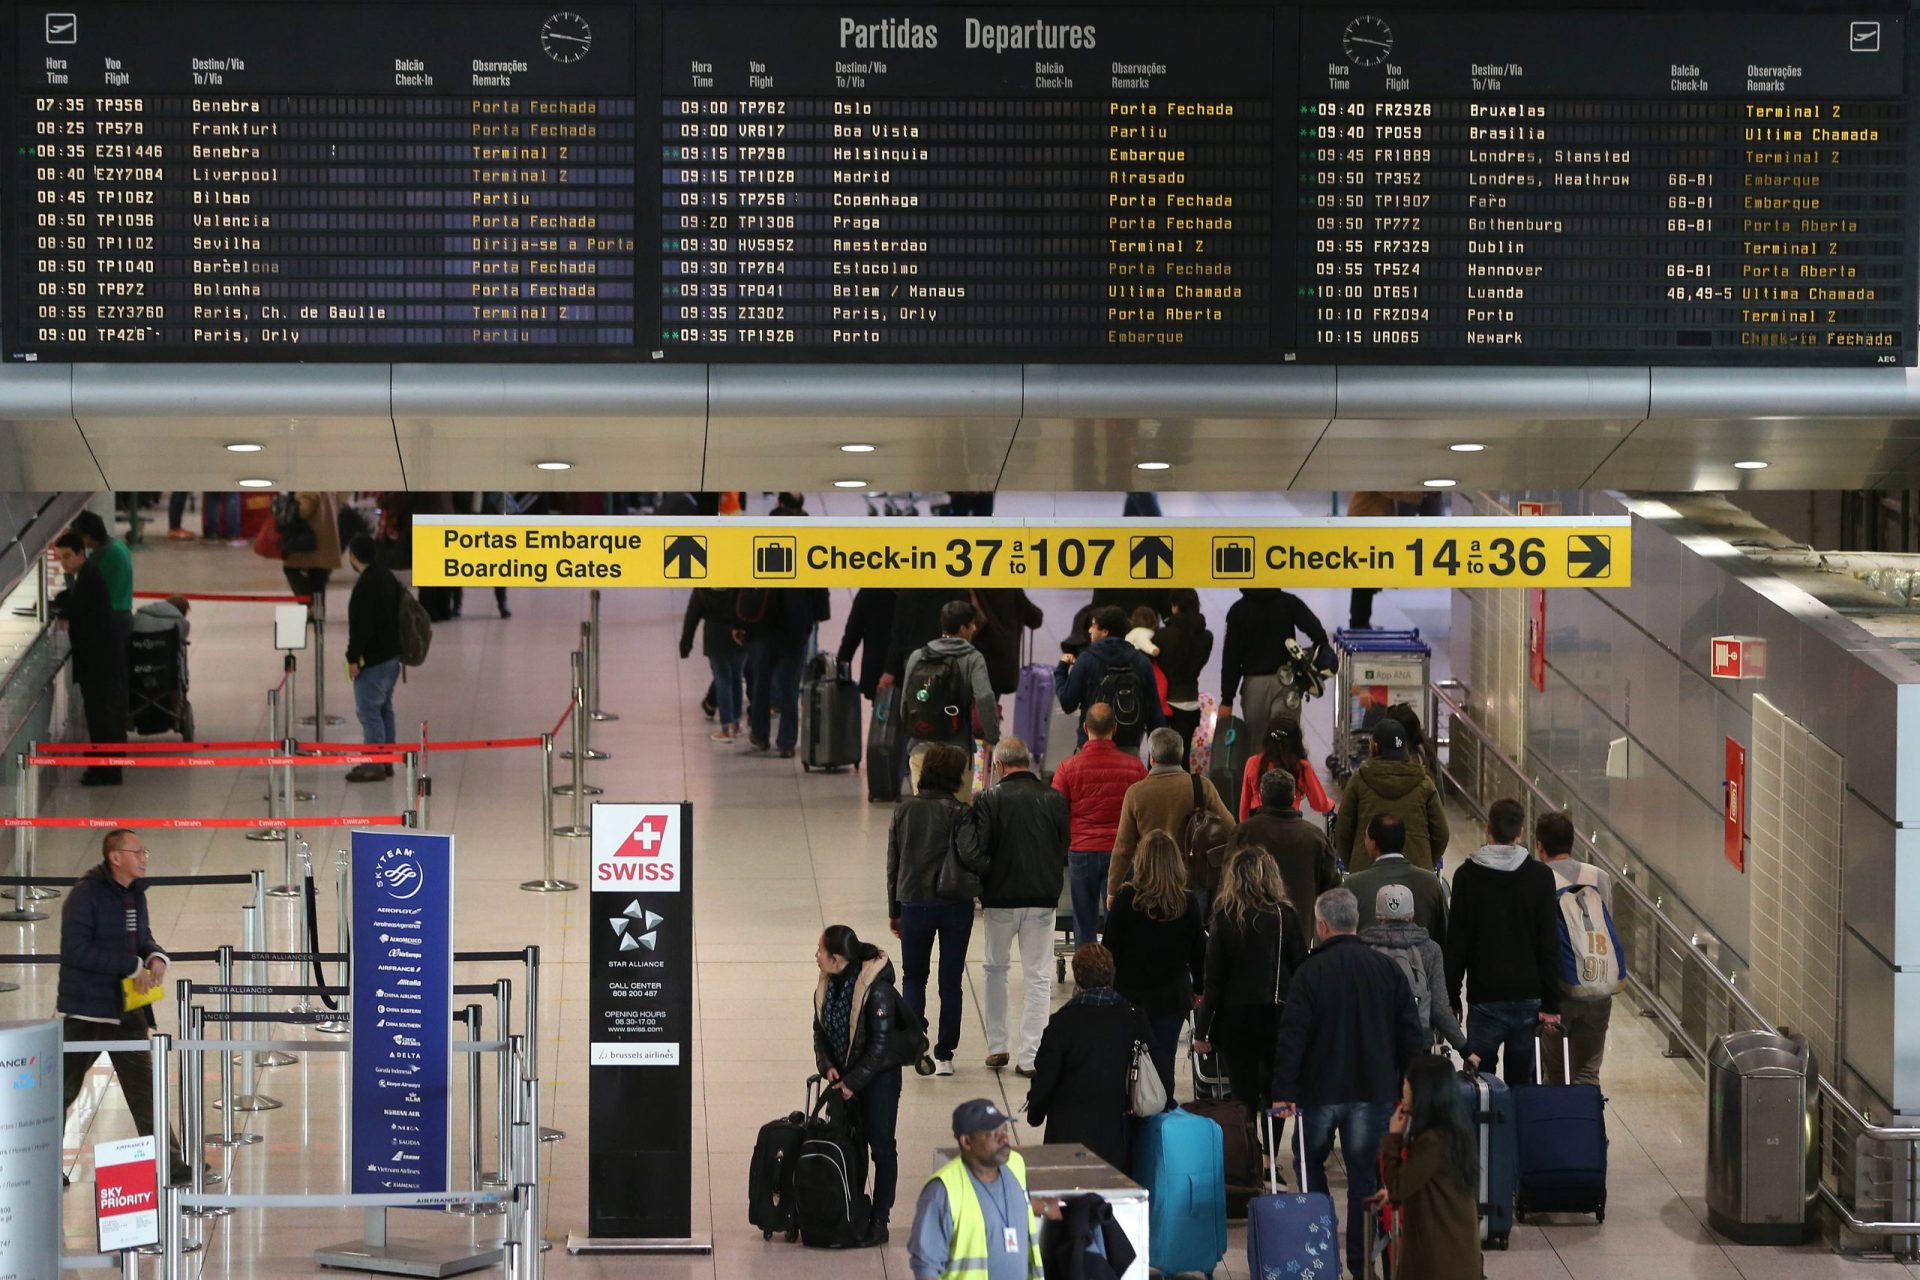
(1219, 429)
(165, 426)
(931, 427)
(622, 427)
(41, 448)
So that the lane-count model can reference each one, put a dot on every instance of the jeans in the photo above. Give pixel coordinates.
(373, 700)
(951, 924)
(1087, 874)
(1361, 1126)
(177, 509)
(1034, 928)
(728, 669)
(222, 515)
(774, 669)
(134, 1070)
(1504, 1029)
(1141, 504)
(879, 1105)
(1583, 1026)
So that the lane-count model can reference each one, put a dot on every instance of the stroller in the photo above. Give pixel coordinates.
(157, 673)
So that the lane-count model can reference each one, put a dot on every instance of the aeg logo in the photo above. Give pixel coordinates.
(636, 846)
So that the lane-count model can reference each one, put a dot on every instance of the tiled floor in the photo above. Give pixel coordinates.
(780, 854)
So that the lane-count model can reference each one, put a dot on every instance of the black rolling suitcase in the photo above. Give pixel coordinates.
(830, 716)
(770, 1202)
(883, 748)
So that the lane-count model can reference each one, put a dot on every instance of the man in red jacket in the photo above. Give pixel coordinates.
(1094, 780)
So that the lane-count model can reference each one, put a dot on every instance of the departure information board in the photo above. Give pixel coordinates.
(649, 182)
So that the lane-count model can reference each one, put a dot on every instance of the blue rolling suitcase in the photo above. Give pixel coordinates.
(1562, 1134)
(1291, 1236)
(1179, 1159)
(1490, 1108)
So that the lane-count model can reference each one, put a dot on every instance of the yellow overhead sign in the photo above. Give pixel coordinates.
(572, 551)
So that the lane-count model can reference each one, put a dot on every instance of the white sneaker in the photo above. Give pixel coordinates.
(944, 1067)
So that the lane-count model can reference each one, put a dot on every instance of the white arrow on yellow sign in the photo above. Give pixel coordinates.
(636, 551)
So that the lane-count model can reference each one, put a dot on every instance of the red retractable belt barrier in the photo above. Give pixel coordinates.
(107, 824)
(217, 597)
(151, 748)
(211, 762)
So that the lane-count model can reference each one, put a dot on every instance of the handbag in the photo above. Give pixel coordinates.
(955, 882)
(1146, 1091)
(266, 543)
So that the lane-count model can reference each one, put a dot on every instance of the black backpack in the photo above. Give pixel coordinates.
(940, 702)
(296, 535)
(1119, 688)
(830, 1179)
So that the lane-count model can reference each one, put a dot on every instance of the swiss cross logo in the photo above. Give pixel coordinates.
(637, 846)
(649, 836)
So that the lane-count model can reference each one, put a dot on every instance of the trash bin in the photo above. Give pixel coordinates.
(1761, 1163)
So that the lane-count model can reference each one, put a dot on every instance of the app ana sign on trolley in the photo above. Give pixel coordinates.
(640, 1032)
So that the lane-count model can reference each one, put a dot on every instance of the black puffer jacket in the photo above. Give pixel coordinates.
(1014, 837)
(104, 938)
(917, 844)
(1185, 644)
(876, 1039)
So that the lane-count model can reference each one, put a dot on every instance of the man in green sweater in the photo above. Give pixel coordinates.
(109, 555)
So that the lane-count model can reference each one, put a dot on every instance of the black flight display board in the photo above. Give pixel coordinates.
(952, 182)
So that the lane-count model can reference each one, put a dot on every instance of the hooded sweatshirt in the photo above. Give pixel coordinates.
(973, 669)
(1405, 935)
(1503, 933)
(1402, 789)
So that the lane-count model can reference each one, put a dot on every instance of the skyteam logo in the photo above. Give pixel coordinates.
(636, 846)
(399, 872)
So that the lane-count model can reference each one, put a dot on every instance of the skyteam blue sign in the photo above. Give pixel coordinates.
(401, 1010)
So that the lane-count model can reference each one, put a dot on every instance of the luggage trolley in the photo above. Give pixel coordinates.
(1380, 670)
(157, 678)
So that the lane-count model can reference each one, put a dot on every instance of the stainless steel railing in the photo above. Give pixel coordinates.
(1870, 1173)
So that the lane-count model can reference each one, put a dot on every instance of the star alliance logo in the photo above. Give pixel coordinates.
(631, 917)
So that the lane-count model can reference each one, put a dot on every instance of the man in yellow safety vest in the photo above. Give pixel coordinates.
(974, 1220)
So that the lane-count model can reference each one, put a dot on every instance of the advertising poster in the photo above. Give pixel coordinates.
(640, 1010)
(401, 1009)
(31, 1121)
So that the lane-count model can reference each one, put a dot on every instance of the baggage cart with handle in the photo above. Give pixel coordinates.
(1378, 669)
(1561, 1131)
(1292, 1235)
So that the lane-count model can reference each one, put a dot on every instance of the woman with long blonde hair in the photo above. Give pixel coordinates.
(1158, 938)
(1253, 949)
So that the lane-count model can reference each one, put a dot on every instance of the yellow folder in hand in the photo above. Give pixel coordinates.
(134, 998)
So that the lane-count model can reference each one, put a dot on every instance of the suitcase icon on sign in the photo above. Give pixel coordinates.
(774, 557)
(1233, 557)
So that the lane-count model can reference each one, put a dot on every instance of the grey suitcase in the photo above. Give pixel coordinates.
(830, 718)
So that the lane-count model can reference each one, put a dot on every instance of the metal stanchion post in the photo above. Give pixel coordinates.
(532, 1131)
(289, 886)
(33, 892)
(23, 912)
(583, 737)
(160, 1044)
(193, 1098)
(250, 1098)
(578, 788)
(532, 964)
(593, 660)
(224, 1103)
(471, 1016)
(547, 883)
(341, 936)
(317, 612)
(274, 730)
(502, 1176)
(304, 939)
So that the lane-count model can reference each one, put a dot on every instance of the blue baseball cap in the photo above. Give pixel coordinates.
(977, 1116)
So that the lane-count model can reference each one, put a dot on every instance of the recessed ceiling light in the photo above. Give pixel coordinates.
(1440, 484)
(1152, 466)
(245, 448)
(554, 466)
(849, 484)
(1467, 448)
(1751, 464)
(856, 448)
(256, 484)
